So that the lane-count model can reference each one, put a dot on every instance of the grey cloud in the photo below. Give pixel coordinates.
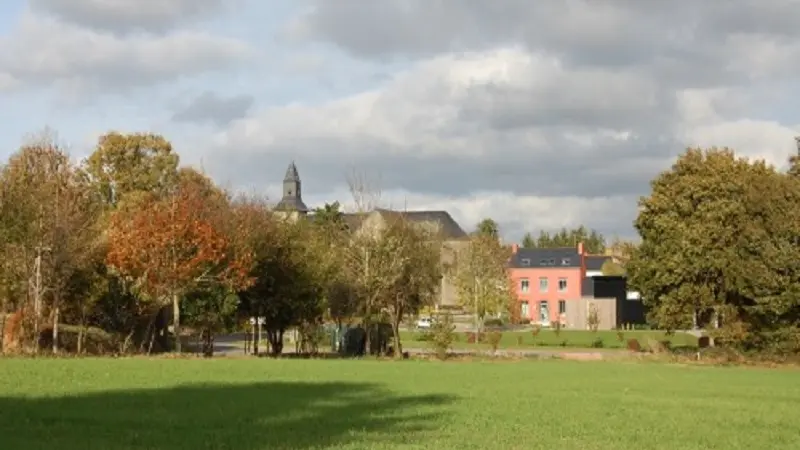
(46, 52)
(676, 37)
(209, 107)
(130, 15)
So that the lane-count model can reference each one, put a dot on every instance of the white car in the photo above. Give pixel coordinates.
(424, 323)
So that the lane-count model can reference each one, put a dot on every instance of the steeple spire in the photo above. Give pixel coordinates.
(292, 192)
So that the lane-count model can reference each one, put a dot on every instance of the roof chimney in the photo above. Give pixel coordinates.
(514, 248)
(580, 248)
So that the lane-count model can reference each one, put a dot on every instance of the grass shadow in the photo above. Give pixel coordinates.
(280, 415)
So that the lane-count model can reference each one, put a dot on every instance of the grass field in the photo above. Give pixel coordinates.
(251, 404)
(566, 338)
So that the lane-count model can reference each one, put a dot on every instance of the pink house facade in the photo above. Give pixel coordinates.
(547, 281)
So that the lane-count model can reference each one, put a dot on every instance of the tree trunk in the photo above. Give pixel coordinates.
(275, 338)
(81, 333)
(176, 321)
(56, 316)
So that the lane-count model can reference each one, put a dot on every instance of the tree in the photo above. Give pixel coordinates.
(417, 254)
(611, 268)
(125, 164)
(50, 216)
(210, 310)
(794, 161)
(528, 241)
(488, 227)
(174, 245)
(480, 273)
(593, 241)
(720, 248)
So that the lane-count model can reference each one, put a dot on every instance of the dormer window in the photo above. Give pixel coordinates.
(565, 262)
(525, 262)
(551, 262)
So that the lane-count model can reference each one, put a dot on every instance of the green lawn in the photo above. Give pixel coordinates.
(566, 338)
(250, 404)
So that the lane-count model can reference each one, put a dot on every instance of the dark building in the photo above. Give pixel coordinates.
(628, 311)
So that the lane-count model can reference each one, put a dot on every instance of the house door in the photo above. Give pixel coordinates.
(544, 313)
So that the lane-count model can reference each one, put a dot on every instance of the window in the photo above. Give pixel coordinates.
(562, 307)
(523, 310)
(562, 285)
(524, 285)
(565, 262)
(543, 284)
(526, 262)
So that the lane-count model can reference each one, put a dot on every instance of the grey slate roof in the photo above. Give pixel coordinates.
(595, 262)
(291, 204)
(449, 228)
(546, 257)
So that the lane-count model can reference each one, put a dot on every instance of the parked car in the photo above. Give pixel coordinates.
(424, 323)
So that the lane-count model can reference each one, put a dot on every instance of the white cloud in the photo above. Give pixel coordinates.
(44, 51)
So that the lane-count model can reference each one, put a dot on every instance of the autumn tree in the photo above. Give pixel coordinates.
(330, 235)
(173, 245)
(49, 217)
(125, 164)
(481, 277)
(611, 268)
(417, 255)
(720, 248)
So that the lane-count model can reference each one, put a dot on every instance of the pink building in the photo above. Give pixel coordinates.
(547, 281)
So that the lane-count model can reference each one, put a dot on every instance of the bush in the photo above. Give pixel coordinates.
(494, 338)
(493, 322)
(557, 328)
(443, 335)
(564, 343)
(470, 337)
(597, 343)
(620, 336)
(634, 346)
(425, 336)
(524, 321)
(520, 340)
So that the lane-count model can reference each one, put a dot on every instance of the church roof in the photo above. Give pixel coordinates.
(291, 173)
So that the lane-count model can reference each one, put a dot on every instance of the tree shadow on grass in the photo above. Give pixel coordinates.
(243, 417)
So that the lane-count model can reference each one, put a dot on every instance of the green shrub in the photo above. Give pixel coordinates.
(494, 338)
(442, 335)
(597, 343)
(493, 322)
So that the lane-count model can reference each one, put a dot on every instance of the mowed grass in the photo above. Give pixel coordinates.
(566, 338)
(250, 404)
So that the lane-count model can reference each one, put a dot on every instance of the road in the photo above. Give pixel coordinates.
(233, 345)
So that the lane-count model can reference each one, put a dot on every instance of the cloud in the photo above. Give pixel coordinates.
(731, 41)
(209, 107)
(539, 114)
(130, 15)
(43, 52)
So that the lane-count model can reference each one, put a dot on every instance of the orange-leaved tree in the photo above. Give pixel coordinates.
(172, 245)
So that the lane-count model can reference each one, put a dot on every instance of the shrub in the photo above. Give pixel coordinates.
(593, 318)
(443, 335)
(557, 328)
(470, 337)
(493, 322)
(620, 336)
(634, 346)
(520, 340)
(597, 343)
(494, 338)
(424, 336)
(564, 343)
(524, 321)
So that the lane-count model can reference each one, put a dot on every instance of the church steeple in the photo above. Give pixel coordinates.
(292, 192)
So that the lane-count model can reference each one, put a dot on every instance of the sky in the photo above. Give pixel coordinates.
(540, 115)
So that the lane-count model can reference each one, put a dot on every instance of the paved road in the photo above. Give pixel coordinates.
(232, 344)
